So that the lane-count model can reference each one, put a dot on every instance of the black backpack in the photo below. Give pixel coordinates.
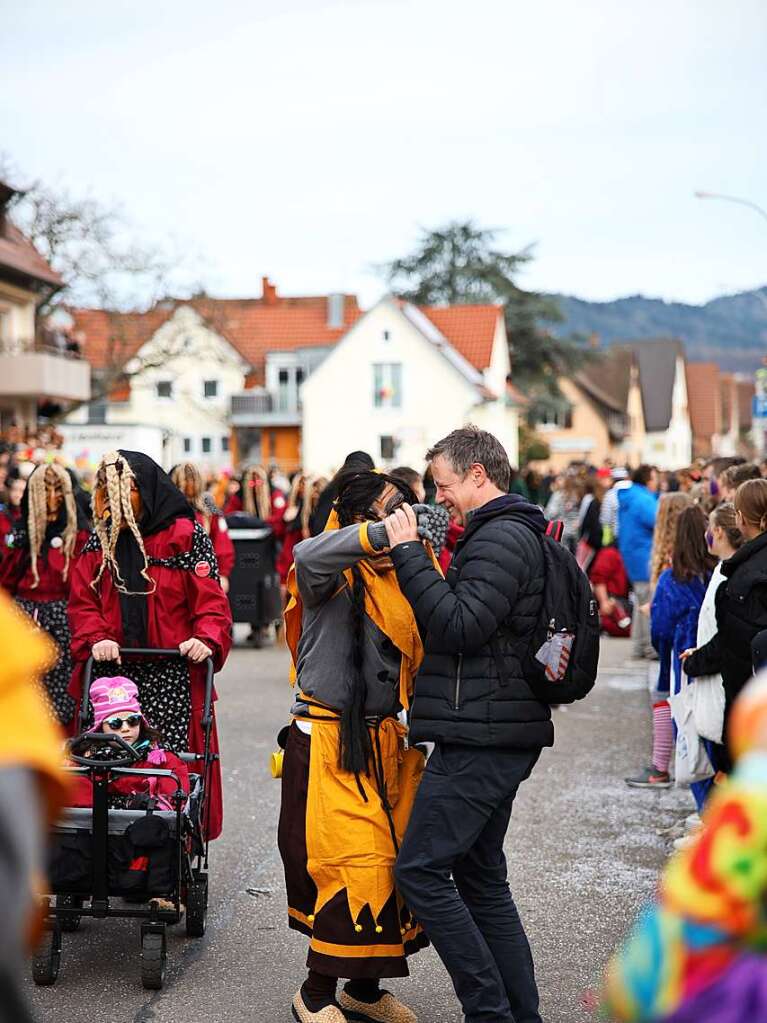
(568, 606)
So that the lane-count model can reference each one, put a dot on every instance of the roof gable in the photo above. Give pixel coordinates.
(18, 255)
(657, 360)
(470, 329)
(704, 398)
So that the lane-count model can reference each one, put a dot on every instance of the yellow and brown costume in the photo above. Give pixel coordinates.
(339, 832)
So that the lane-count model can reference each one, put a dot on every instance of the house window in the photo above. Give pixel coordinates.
(556, 418)
(225, 443)
(97, 412)
(283, 390)
(207, 445)
(187, 445)
(210, 388)
(272, 444)
(164, 388)
(388, 448)
(387, 385)
(387, 335)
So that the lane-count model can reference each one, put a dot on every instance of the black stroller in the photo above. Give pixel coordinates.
(94, 852)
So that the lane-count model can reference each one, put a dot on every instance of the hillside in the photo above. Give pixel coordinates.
(730, 330)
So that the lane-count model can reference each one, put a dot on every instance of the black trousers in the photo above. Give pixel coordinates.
(457, 829)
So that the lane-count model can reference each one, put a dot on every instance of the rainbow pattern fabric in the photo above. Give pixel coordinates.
(709, 921)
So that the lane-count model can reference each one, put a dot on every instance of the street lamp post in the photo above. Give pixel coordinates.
(732, 198)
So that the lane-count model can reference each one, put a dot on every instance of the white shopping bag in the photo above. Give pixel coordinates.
(691, 761)
(708, 706)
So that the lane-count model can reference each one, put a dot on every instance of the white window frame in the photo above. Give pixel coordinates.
(384, 377)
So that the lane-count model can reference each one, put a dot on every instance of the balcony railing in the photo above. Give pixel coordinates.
(260, 408)
(48, 342)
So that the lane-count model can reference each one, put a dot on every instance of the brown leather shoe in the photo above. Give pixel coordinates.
(330, 1014)
(386, 1010)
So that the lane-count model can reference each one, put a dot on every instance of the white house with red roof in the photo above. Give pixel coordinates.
(402, 377)
(213, 380)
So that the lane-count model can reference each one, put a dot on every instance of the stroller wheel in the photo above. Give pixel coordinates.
(197, 906)
(47, 957)
(153, 959)
(69, 922)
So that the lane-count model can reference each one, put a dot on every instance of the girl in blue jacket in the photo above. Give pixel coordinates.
(676, 606)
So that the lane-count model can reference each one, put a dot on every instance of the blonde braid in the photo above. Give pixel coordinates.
(256, 500)
(37, 518)
(118, 486)
(183, 472)
(69, 536)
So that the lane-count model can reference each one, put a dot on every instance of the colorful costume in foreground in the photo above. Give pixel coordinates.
(697, 954)
(340, 832)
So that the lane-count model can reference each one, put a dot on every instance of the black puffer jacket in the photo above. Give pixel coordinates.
(741, 613)
(486, 608)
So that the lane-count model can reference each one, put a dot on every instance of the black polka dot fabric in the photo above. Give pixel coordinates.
(51, 616)
(200, 559)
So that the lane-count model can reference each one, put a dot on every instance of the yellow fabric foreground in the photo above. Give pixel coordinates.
(348, 841)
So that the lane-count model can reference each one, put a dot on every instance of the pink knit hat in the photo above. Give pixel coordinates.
(111, 697)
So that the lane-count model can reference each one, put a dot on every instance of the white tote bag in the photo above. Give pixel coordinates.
(708, 690)
(708, 706)
(691, 761)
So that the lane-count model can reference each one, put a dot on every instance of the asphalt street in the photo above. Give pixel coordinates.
(584, 853)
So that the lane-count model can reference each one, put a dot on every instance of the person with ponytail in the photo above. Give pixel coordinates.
(188, 479)
(148, 577)
(741, 605)
(37, 569)
(348, 780)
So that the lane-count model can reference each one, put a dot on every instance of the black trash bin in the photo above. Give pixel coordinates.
(254, 585)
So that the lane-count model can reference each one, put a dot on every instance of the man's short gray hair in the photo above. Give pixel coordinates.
(469, 445)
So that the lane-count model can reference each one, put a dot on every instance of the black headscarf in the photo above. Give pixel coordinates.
(355, 461)
(162, 503)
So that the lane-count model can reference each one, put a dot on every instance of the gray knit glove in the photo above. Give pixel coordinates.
(433, 522)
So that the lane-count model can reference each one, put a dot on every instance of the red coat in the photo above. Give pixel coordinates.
(285, 557)
(128, 785)
(16, 572)
(454, 534)
(187, 602)
(222, 542)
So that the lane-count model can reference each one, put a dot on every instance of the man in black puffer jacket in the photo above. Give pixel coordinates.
(472, 701)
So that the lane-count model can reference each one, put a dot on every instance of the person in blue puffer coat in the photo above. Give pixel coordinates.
(637, 509)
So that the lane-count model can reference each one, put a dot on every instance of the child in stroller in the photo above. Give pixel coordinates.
(116, 711)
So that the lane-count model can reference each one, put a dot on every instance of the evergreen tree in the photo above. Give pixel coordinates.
(459, 264)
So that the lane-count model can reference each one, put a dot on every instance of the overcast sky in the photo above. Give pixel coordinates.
(309, 139)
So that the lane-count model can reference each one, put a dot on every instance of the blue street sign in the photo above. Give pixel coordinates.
(759, 407)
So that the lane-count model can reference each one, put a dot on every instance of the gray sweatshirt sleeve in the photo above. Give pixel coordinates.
(320, 560)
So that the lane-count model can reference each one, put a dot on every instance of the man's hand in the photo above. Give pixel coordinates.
(401, 526)
(195, 650)
(106, 650)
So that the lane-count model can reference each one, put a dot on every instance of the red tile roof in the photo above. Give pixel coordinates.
(18, 254)
(250, 325)
(469, 328)
(704, 403)
(256, 327)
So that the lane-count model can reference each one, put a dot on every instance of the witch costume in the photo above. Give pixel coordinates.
(339, 832)
(187, 601)
(45, 598)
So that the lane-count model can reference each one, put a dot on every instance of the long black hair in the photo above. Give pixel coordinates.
(357, 491)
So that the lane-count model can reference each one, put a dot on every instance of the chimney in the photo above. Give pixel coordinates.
(268, 292)
(335, 311)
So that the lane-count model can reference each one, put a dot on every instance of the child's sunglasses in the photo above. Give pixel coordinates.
(131, 721)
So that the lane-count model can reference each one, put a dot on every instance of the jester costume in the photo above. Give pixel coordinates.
(340, 831)
(697, 954)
